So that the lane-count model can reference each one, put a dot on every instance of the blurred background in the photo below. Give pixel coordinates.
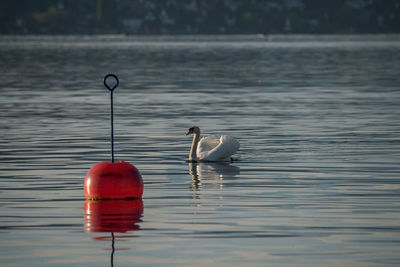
(198, 16)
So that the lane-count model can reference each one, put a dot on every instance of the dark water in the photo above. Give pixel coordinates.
(317, 182)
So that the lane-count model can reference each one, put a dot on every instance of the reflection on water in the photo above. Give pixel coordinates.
(317, 117)
(215, 173)
(118, 216)
(112, 216)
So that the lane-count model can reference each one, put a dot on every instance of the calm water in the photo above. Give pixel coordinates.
(317, 182)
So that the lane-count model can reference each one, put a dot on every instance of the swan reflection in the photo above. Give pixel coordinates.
(212, 172)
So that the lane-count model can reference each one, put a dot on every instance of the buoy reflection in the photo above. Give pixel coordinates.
(112, 216)
(116, 216)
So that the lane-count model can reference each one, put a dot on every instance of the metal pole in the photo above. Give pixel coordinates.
(111, 89)
(112, 128)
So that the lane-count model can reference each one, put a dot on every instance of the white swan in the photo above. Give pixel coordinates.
(211, 148)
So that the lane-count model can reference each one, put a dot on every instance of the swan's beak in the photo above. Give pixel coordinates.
(190, 131)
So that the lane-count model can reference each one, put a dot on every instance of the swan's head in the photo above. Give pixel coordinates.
(193, 130)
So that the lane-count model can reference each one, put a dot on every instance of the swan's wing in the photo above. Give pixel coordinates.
(206, 144)
(225, 148)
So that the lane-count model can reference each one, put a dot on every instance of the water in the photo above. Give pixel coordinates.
(317, 177)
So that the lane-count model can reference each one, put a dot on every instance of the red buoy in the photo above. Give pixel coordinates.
(115, 179)
(118, 180)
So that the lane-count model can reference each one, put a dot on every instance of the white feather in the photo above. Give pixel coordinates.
(212, 148)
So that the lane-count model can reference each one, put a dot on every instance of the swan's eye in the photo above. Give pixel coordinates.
(190, 131)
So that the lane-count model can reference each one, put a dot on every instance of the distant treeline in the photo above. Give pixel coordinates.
(198, 16)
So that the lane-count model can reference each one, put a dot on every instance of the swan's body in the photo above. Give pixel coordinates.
(211, 148)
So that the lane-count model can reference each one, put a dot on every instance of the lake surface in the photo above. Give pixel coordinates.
(316, 181)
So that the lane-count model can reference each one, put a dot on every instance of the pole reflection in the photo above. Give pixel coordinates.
(112, 216)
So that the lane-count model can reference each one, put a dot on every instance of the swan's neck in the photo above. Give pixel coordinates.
(193, 149)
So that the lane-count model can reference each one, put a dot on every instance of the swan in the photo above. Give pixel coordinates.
(211, 148)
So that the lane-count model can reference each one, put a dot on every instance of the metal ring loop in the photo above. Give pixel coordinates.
(105, 81)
